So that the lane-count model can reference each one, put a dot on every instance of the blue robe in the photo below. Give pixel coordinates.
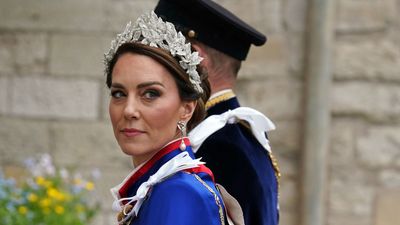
(243, 167)
(182, 199)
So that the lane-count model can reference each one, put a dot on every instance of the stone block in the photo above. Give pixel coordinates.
(7, 53)
(288, 195)
(288, 163)
(90, 144)
(52, 15)
(356, 16)
(78, 54)
(247, 11)
(105, 102)
(43, 97)
(373, 58)
(392, 10)
(265, 16)
(390, 178)
(350, 191)
(288, 218)
(268, 60)
(352, 98)
(387, 207)
(31, 53)
(342, 141)
(278, 99)
(296, 56)
(3, 95)
(378, 147)
(295, 14)
(270, 19)
(118, 13)
(340, 219)
(287, 136)
(374, 101)
(355, 200)
(22, 138)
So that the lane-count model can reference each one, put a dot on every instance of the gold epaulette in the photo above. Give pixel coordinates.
(221, 98)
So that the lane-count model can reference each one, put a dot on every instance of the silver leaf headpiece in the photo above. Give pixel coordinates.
(151, 30)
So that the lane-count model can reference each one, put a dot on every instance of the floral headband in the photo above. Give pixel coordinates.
(151, 30)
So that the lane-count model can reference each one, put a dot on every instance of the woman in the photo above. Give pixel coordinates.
(157, 94)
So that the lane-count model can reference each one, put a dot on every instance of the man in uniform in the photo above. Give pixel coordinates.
(239, 162)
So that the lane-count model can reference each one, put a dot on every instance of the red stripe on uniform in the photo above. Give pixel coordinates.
(145, 168)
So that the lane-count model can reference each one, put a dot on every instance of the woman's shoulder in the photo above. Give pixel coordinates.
(184, 185)
(183, 199)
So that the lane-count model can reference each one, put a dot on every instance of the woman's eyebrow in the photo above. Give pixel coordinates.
(146, 84)
(117, 85)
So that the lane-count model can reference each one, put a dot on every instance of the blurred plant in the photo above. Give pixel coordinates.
(48, 197)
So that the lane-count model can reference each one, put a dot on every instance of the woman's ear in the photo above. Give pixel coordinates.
(188, 108)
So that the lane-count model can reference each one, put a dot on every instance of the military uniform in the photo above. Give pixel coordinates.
(243, 166)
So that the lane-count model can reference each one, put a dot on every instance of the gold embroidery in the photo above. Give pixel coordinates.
(221, 98)
(121, 215)
(220, 210)
(276, 169)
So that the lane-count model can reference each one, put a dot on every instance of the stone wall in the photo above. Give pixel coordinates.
(53, 98)
(364, 169)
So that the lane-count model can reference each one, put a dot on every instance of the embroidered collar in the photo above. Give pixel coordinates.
(144, 171)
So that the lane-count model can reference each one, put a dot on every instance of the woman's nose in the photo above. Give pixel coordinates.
(131, 110)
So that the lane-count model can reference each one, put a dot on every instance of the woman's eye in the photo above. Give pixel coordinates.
(151, 94)
(117, 94)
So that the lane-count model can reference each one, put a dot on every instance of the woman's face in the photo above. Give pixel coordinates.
(145, 106)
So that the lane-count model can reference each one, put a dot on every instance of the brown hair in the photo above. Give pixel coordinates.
(185, 87)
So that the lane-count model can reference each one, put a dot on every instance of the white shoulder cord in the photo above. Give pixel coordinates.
(180, 162)
(259, 124)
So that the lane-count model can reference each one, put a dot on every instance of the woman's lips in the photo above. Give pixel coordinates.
(131, 132)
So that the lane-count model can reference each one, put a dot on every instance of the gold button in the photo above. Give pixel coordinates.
(192, 33)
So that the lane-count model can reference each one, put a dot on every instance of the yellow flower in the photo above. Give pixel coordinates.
(89, 186)
(55, 194)
(22, 210)
(59, 209)
(45, 203)
(32, 197)
(40, 180)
